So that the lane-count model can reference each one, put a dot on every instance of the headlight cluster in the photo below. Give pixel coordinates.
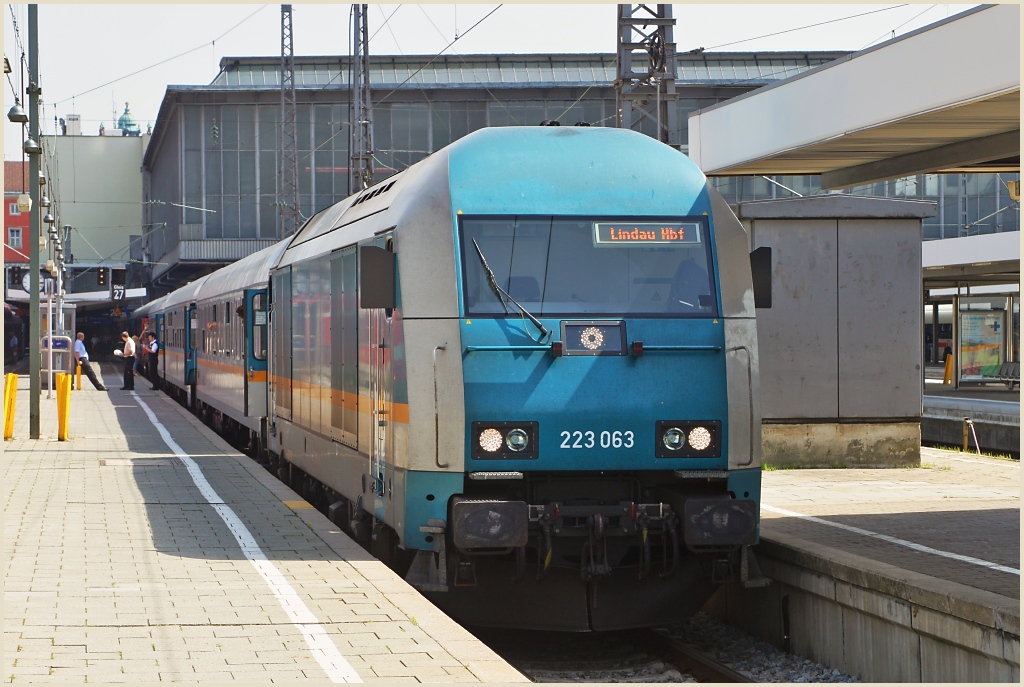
(688, 439)
(495, 440)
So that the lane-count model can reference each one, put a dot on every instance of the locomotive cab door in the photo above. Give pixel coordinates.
(377, 295)
(255, 352)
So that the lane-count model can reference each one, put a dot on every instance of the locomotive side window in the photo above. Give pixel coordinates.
(557, 266)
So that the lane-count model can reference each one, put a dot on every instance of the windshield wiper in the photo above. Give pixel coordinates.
(502, 294)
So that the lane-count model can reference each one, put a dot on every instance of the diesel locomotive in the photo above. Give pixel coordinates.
(522, 371)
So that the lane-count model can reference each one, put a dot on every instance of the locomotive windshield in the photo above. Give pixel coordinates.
(557, 266)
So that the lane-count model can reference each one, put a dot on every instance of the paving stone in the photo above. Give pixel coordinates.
(958, 503)
(137, 579)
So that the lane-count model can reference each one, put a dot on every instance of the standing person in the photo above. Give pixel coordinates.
(82, 358)
(139, 367)
(152, 364)
(14, 347)
(129, 362)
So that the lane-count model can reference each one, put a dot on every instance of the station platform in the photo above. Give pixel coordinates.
(896, 575)
(964, 507)
(994, 409)
(146, 549)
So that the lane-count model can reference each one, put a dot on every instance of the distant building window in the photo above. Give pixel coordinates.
(12, 209)
(14, 237)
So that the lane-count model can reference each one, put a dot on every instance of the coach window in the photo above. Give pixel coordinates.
(259, 326)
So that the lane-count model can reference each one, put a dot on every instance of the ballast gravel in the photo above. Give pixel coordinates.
(752, 657)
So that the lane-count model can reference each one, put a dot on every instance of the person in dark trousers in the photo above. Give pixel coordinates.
(129, 362)
(152, 359)
(82, 358)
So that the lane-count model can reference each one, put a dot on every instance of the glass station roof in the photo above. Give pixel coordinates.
(514, 71)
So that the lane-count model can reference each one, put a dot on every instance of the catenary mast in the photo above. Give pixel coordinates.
(645, 83)
(361, 114)
(289, 172)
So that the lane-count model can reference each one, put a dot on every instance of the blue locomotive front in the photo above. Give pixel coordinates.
(608, 362)
(523, 372)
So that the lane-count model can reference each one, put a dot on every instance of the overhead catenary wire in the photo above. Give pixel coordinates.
(893, 31)
(17, 31)
(807, 26)
(393, 91)
(165, 61)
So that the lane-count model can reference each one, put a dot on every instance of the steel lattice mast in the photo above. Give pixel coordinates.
(361, 114)
(288, 200)
(645, 83)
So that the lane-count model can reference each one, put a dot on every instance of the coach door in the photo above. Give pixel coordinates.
(159, 331)
(377, 295)
(191, 334)
(255, 352)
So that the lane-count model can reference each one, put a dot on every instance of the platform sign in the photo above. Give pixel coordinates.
(981, 342)
(60, 343)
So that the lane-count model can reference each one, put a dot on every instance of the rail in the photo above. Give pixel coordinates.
(689, 660)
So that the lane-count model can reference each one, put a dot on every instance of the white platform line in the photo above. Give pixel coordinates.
(894, 540)
(980, 462)
(320, 644)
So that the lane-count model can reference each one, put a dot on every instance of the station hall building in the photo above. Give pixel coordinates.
(215, 148)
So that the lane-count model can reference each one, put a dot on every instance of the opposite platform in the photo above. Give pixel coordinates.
(131, 558)
(893, 575)
(956, 518)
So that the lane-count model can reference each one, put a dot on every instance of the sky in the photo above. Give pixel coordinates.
(94, 58)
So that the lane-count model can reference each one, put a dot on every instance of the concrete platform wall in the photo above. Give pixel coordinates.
(997, 438)
(851, 445)
(875, 621)
(996, 423)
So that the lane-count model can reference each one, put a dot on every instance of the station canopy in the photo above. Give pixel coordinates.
(943, 99)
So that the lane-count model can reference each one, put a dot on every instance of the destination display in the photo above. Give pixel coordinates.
(642, 233)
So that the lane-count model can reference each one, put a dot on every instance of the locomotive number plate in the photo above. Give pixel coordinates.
(605, 439)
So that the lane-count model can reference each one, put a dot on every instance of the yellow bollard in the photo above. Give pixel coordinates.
(78, 380)
(947, 376)
(10, 398)
(63, 404)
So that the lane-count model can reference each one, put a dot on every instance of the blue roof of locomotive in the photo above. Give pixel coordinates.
(572, 170)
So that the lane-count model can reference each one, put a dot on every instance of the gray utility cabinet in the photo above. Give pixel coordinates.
(841, 347)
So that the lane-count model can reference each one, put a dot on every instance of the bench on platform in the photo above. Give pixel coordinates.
(1009, 374)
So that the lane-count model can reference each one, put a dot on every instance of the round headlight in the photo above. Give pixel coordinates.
(517, 440)
(700, 438)
(490, 440)
(673, 439)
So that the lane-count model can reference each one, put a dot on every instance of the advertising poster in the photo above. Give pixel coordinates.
(981, 342)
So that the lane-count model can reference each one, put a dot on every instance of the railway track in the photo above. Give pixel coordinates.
(646, 656)
(693, 662)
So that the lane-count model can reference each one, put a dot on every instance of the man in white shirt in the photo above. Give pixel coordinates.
(82, 358)
(153, 360)
(129, 362)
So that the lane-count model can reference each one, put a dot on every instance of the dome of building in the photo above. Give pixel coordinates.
(126, 123)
